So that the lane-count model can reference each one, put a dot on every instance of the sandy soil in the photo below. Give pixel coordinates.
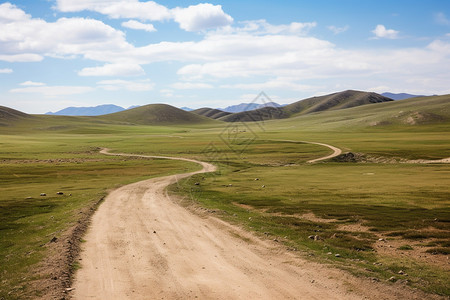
(142, 245)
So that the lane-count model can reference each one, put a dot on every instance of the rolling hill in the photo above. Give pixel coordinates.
(156, 114)
(211, 112)
(432, 112)
(9, 115)
(336, 101)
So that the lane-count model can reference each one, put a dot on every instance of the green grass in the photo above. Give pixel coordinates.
(28, 221)
(47, 154)
(403, 199)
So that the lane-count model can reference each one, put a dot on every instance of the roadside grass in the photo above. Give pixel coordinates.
(390, 199)
(28, 221)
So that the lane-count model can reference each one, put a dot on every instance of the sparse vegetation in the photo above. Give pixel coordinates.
(317, 209)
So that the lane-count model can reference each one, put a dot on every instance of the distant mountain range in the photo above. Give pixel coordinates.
(248, 106)
(379, 112)
(400, 96)
(335, 101)
(232, 109)
(90, 111)
(240, 107)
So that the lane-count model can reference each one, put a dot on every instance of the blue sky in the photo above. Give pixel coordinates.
(59, 53)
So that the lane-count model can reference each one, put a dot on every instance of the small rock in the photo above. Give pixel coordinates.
(154, 231)
(316, 238)
(59, 193)
(329, 253)
(312, 281)
(28, 198)
(197, 183)
(68, 289)
(392, 279)
(311, 237)
(54, 239)
(401, 272)
(381, 240)
(43, 194)
(337, 255)
(230, 184)
(263, 186)
(256, 179)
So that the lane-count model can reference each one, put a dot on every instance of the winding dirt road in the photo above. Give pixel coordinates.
(142, 245)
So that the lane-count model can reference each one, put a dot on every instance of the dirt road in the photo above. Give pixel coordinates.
(142, 245)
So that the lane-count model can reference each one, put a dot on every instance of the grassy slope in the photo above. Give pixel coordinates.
(211, 112)
(330, 102)
(157, 114)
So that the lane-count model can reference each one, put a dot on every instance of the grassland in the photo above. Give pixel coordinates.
(348, 206)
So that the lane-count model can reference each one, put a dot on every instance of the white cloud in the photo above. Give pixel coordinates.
(191, 85)
(10, 13)
(25, 39)
(381, 32)
(113, 70)
(338, 30)
(32, 83)
(134, 86)
(251, 55)
(53, 91)
(193, 18)
(6, 71)
(201, 17)
(262, 27)
(440, 18)
(27, 57)
(132, 24)
(130, 9)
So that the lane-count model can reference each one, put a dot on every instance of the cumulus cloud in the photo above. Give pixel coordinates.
(201, 17)
(262, 27)
(10, 13)
(281, 57)
(134, 86)
(113, 70)
(5, 71)
(53, 91)
(130, 9)
(25, 39)
(193, 18)
(338, 30)
(381, 32)
(132, 24)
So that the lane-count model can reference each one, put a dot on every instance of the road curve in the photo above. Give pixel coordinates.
(336, 152)
(142, 245)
